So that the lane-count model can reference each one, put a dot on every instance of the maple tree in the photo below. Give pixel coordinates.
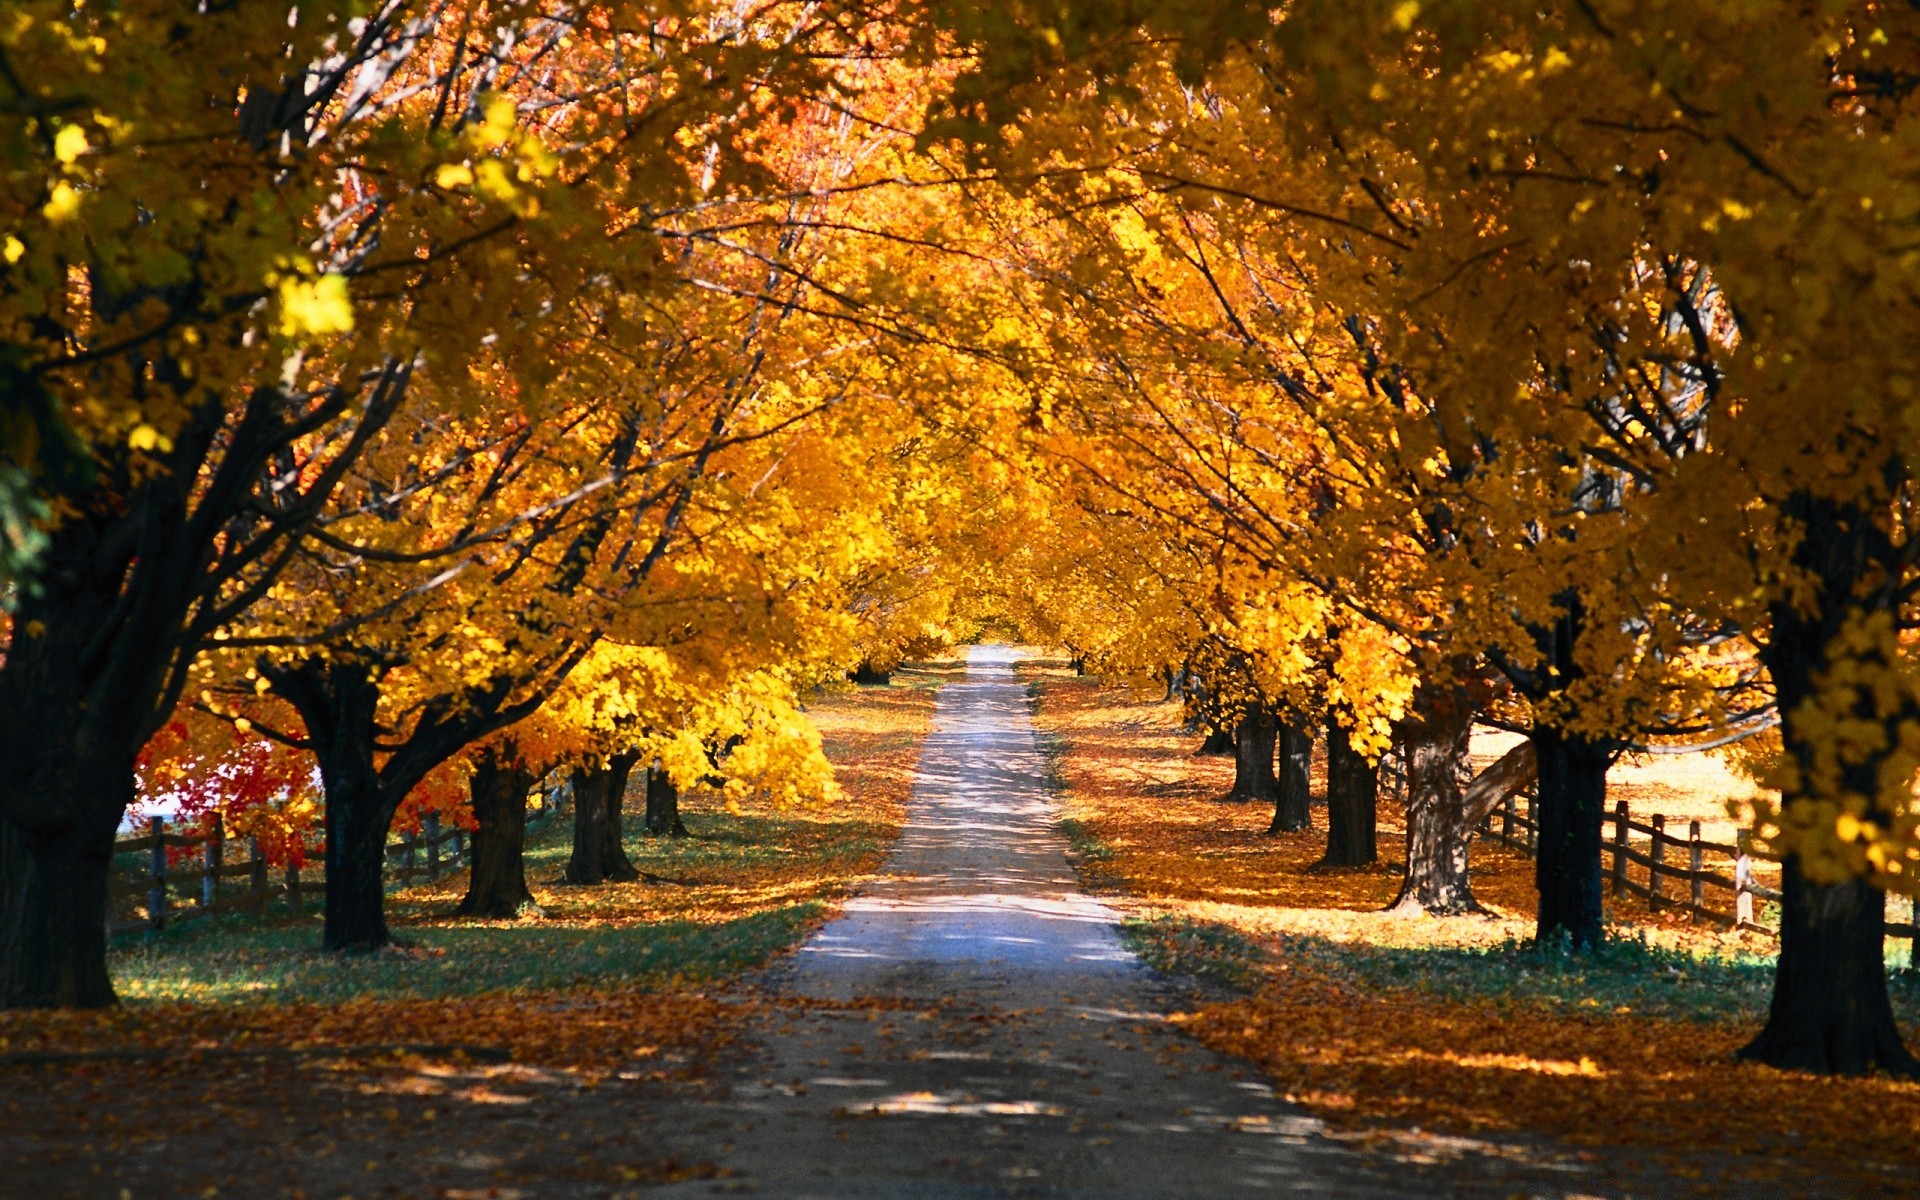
(495, 389)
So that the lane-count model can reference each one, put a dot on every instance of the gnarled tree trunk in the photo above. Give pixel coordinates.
(663, 805)
(1572, 800)
(598, 853)
(1353, 788)
(1435, 736)
(1253, 778)
(497, 880)
(1293, 805)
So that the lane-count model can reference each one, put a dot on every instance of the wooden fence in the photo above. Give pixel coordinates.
(414, 857)
(1687, 864)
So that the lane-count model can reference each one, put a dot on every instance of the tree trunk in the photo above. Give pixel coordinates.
(358, 815)
(663, 805)
(868, 675)
(598, 793)
(339, 700)
(1438, 833)
(1293, 807)
(1253, 777)
(1830, 1011)
(497, 882)
(1571, 802)
(1353, 788)
(53, 916)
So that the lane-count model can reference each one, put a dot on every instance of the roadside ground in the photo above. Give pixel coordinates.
(482, 1059)
(1396, 1028)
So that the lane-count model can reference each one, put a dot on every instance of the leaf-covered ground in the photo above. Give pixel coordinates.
(481, 1058)
(1383, 1025)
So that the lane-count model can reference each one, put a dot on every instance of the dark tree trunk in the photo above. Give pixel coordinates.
(663, 805)
(1353, 788)
(1571, 801)
(598, 855)
(1253, 778)
(1830, 1012)
(358, 815)
(338, 699)
(868, 675)
(1293, 809)
(1438, 833)
(1218, 742)
(497, 882)
(53, 916)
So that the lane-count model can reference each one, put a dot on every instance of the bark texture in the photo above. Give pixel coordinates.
(1353, 789)
(1434, 744)
(1293, 805)
(53, 914)
(1253, 741)
(497, 881)
(599, 855)
(663, 805)
(1571, 802)
(1830, 1011)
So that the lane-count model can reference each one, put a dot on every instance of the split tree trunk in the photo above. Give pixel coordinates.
(1830, 1012)
(1293, 805)
(1571, 803)
(497, 880)
(1353, 788)
(663, 805)
(1253, 777)
(338, 698)
(1438, 833)
(598, 854)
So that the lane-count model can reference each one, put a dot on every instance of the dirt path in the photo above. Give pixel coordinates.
(973, 1026)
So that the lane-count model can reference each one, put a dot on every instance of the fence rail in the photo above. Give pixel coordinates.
(415, 857)
(1670, 859)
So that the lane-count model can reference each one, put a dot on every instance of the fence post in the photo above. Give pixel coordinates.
(296, 904)
(1619, 848)
(430, 824)
(1533, 821)
(257, 877)
(1696, 860)
(157, 886)
(210, 876)
(459, 846)
(1657, 871)
(408, 842)
(1743, 879)
(1506, 821)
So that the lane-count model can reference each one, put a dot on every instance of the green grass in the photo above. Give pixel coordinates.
(1625, 973)
(282, 963)
(276, 957)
